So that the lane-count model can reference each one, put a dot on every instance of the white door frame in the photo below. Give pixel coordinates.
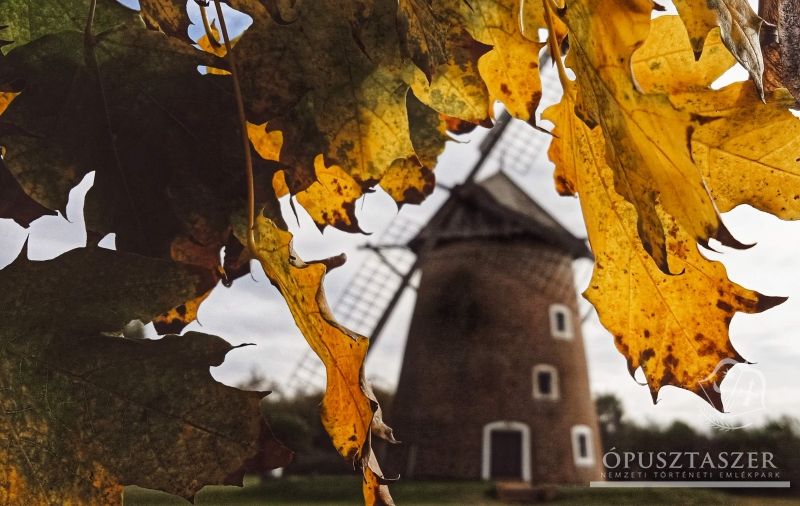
(486, 457)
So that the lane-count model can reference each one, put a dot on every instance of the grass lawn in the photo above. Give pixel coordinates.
(345, 490)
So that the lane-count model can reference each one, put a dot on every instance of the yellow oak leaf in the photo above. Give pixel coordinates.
(645, 134)
(279, 185)
(665, 62)
(329, 200)
(174, 320)
(428, 129)
(211, 44)
(266, 142)
(511, 68)
(675, 327)
(533, 19)
(746, 149)
(750, 154)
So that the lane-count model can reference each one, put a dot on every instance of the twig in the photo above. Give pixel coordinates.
(212, 40)
(248, 157)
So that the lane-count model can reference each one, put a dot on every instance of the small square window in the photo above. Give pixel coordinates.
(582, 451)
(561, 321)
(545, 382)
(583, 446)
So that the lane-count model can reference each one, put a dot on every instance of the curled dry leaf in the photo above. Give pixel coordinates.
(167, 16)
(348, 408)
(739, 25)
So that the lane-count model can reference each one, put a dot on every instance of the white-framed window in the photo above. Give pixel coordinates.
(545, 382)
(561, 321)
(582, 446)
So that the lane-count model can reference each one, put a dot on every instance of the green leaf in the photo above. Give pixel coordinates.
(26, 21)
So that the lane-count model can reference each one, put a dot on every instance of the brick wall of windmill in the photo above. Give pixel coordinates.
(481, 323)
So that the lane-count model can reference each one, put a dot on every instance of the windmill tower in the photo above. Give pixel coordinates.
(494, 383)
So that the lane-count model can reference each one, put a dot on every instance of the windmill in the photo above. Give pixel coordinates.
(372, 295)
(386, 273)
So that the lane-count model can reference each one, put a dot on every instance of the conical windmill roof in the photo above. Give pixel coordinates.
(496, 208)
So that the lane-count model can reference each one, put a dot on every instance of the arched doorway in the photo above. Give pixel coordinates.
(506, 451)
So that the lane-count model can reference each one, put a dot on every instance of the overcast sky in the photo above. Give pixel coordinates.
(252, 311)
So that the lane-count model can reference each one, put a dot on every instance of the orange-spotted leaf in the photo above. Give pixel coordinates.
(408, 181)
(645, 133)
(675, 327)
(331, 199)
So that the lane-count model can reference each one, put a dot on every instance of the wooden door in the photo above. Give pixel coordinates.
(506, 458)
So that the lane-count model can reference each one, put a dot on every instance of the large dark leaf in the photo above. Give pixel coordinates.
(132, 106)
(85, 412)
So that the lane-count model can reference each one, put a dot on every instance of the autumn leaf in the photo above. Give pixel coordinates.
(673, 326)
(161, 138)
(408, 182)
(331, 199)
(645, 134)
(86, 412)
(167, 16)
(747, 150)
(510, 69)
(533, 19)
(428, 129)
(665, 63)
(739, 25)
(456, 89)
(750, 155)
(345, 103)
(177, 318)
(348, 408)
(422, 35)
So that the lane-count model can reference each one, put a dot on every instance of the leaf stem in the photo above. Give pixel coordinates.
(88, 36)
(248, 157)
(555, 49)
